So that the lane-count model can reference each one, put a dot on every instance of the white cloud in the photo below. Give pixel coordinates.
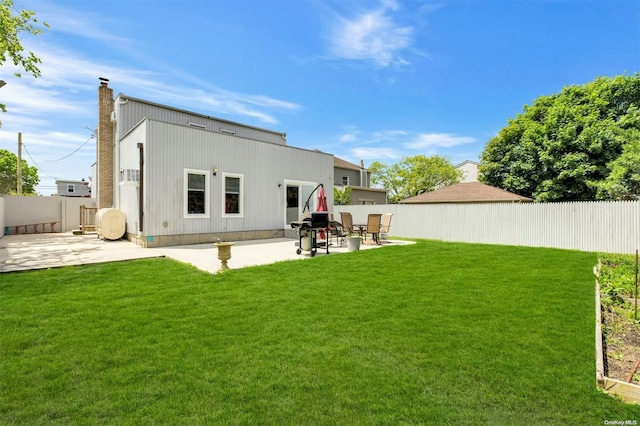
(373, 137)
(69, 85)
(28, 99)
(372, 35)
(444, 140)
(219, 100)
(75, 22)
(349, 137)
(375, 154)
(390, 4)
(386, 135)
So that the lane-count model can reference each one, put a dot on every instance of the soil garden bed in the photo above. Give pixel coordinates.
(621, 339)
(620, 323)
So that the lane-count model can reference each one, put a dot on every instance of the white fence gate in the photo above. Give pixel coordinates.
(599, 226)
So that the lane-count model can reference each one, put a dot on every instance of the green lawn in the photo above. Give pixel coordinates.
(433, 333)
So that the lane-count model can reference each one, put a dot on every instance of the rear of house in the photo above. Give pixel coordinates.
(185, 178)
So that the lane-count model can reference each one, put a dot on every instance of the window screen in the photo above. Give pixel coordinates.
(232, 195)
(196, 186)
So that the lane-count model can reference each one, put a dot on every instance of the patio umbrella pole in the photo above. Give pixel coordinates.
(306, 204)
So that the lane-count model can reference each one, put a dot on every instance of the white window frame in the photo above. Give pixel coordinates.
(240, 196)
(71, 188)
(345, 180)
(185, 190)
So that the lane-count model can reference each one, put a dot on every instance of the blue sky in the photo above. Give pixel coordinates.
(370, 80)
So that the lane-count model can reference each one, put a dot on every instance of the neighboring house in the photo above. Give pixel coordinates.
(73, 188)
(346, 174)
(470, 170)
(183, 178)
(467, 192)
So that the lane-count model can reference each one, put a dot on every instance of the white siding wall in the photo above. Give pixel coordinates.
(170, 148)
(126, 196)
(589, 226)
(470, 171)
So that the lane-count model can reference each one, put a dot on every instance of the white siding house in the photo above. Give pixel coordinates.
(183, 178)
(470, 170)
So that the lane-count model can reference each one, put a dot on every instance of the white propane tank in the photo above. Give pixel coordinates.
(110, 224)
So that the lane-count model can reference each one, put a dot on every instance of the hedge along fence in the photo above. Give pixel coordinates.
(599, 226)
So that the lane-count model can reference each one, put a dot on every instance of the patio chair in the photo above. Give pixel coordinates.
(347, 222)
(373, 226)
(386, 224)
(337, 230)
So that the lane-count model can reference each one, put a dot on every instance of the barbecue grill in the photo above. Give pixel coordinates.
(308, 229)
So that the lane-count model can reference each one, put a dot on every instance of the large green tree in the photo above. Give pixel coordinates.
(9, 175)
(561, 147)
(623, 182)
(341, 197)
(414, 175)
(13, 23)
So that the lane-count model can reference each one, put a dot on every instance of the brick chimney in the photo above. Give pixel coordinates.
(104, 146)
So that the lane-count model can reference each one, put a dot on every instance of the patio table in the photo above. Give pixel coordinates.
(361, 228)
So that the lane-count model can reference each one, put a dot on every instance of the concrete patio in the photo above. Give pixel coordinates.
(42, 251)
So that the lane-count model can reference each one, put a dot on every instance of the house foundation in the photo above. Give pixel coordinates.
(153, 241)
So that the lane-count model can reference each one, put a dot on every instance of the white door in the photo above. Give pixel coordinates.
(296, 195)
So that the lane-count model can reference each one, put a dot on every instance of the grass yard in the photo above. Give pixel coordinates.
(433, 333)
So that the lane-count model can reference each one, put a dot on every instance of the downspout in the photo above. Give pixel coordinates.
(141, 187)
(116, 167)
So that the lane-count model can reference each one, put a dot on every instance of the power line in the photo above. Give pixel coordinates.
(34, 162)
(67, 156)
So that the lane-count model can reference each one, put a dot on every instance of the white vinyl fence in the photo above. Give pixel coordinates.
(1, 217)
(604, 226)
(24, 210)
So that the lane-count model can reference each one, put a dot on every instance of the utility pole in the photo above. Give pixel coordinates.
(19, 164)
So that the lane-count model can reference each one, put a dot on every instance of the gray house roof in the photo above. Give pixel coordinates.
(467, 162)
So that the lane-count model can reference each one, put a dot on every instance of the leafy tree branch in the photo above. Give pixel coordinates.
(13, 23)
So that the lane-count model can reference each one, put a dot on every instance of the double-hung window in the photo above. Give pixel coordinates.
(233, 195)
(71, 188)
(196, 193)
